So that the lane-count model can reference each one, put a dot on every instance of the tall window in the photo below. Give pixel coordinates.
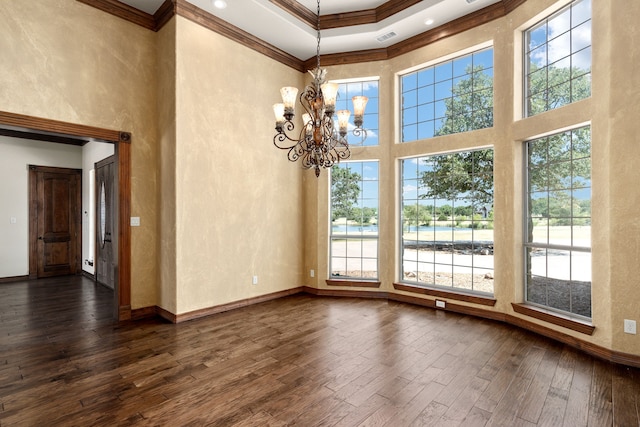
(447, 221)
(558, 59)
(368, 88)
(354, 220)
(450, 97)
(558, 235)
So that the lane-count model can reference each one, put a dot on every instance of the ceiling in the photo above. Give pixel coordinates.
(282, 29)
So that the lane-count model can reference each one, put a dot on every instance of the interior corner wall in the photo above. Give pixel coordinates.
(166, 57)
(238, 199)
(17, 155)
(64, 60)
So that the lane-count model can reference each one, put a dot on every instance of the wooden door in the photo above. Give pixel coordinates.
(56, 231)
(105, 239)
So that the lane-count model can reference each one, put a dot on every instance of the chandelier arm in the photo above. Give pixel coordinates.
(282, 137)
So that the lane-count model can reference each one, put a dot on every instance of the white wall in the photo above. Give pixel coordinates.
(15, 156)
(91, 153)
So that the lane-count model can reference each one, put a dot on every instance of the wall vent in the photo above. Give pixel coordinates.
(386, 37)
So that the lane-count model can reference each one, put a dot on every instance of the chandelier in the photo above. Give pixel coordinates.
(318, 144)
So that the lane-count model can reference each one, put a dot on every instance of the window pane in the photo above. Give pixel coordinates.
(354, 220)
(447, 226)
(346, 91)
(557, 53)
(558, 236)
(463, 93)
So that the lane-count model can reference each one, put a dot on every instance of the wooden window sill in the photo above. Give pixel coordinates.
(458, 296)
(353, 283)
(554, 318)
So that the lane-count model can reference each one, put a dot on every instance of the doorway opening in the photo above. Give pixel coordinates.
(35, 128)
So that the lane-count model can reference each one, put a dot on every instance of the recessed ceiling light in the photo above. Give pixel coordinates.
(428, 22)
(220, 4)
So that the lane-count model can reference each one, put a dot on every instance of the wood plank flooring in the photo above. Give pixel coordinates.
(297, 361)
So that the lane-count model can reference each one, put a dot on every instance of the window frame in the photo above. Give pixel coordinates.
(342, 88)
(532, 245)
(459, 55)
(362, 238)
(526, 61)
(449, 289)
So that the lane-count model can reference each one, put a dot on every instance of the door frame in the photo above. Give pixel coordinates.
(34, 255)
(41, 129)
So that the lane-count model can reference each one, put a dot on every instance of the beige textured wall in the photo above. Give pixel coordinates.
(166, 42)
(624, 173)
(612, 112)
(237, 197)
(67, 61)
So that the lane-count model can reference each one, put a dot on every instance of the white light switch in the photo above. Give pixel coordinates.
(135, 221)
(13, 220)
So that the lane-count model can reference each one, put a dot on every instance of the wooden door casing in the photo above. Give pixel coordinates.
(56, 200)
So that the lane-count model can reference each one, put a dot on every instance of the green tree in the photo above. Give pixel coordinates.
(471, 106)
(417, 214)
(470, 174)
(345, 189)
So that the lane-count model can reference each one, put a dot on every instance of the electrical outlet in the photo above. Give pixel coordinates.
(255, 280)
(440, 303)
(629, 326)
(312, 273)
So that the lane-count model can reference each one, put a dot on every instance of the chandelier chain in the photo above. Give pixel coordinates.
(318, 37)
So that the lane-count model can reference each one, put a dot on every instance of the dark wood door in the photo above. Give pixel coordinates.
(105, 266)
(56, 244)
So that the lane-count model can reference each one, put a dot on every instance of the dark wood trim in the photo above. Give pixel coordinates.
(353, 283)
(294, 8)
(348, 58)
(123, 207)
(345, 19)
(122, 140)
(33, 225)
(30, 124)
(345, 293)
(390, 8)
(348, 19)
(554, 318)
(41, 137)
(185, 9)
(123, 11)
(164, 14)
(146, 313)
(215, 24)
(178, 318)
(458, 296)
(13, 279)
(165, 314)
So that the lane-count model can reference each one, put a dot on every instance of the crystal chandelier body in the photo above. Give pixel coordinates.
(318, 144)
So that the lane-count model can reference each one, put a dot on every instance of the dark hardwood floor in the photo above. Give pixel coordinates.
(300, 360)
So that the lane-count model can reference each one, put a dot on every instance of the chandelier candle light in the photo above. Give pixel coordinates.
(318, 144)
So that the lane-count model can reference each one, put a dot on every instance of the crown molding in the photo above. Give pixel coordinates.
(123, 11)
(345, 19)
(193, 13)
